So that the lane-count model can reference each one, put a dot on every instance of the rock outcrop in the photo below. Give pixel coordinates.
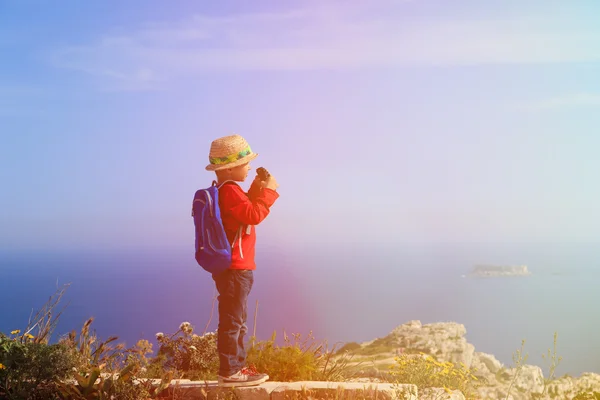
(443, 340)
(446, 341)
(486, 362)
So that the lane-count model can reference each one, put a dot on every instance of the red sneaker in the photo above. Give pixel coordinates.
(248, 376)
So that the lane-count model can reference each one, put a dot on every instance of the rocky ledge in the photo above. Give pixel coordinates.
(446, 341)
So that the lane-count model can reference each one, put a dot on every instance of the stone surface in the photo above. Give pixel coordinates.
(529, 379)
(247, 393)
(440, 394)
(190, 390)
(489, 362)
(567, 387)
(342, 390)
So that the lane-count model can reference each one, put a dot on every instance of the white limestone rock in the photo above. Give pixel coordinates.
(443, 340)
(489, 361)
(529, 378)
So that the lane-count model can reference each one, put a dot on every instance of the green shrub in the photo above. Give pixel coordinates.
(78, 367)
(292, 362)
(380, 345)
(587, 396)
(351, 347)
(29, 370)
(298, 359)
(388, 341)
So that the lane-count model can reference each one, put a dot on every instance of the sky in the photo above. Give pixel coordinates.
(384, 122)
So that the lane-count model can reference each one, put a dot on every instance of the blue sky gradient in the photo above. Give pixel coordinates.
(384, 122)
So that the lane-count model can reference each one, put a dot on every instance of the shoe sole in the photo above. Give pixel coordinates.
(243, 384)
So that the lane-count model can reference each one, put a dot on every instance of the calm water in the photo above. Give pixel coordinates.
(340, 294)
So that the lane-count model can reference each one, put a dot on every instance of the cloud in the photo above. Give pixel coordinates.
(562, 102)
(324, 38)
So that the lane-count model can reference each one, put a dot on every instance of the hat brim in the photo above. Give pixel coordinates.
(236, 163)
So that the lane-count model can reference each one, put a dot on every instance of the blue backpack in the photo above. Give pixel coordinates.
(213, 251)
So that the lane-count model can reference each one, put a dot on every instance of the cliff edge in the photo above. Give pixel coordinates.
(446, 341)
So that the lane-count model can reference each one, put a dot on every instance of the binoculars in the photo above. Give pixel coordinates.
(262, 173)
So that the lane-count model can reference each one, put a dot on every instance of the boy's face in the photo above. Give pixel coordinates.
(240, 173)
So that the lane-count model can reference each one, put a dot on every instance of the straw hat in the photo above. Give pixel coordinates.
(229, 152)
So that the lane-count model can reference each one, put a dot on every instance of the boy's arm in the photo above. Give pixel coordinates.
(255, 189)
(247, 210)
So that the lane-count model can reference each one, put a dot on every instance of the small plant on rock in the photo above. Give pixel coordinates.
(553, 361)
(519, 359)
(107, 371)
(298, 359)
(186, 354)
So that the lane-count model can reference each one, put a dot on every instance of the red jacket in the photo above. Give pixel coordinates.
(240, 211)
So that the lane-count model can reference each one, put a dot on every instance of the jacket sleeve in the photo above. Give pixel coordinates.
(245, 209)
(255, 189)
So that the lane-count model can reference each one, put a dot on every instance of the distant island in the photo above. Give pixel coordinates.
(493, 271)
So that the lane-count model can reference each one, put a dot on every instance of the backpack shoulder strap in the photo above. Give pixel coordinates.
(223, 183)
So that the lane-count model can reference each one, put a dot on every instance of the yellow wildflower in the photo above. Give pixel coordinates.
(15, 332)
(2, 366)
(29, 336)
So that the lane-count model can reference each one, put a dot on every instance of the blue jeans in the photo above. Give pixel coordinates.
(233, 287)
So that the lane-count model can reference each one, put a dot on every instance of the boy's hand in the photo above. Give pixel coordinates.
(270, 183)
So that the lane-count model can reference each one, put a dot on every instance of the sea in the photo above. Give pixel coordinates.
(334, 293)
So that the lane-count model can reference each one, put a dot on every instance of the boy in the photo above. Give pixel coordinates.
(230, 158)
